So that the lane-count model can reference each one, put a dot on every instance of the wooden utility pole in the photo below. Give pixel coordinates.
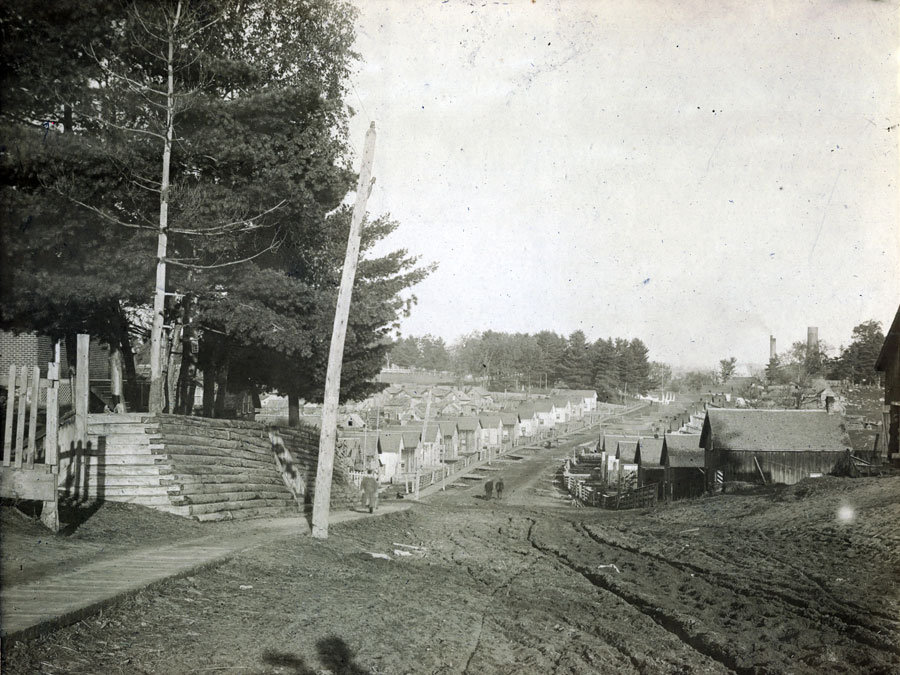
(322, 498)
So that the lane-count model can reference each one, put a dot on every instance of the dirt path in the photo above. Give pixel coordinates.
(765, 583)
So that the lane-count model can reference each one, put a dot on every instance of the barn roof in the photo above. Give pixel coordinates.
(626, 451)
(649, 452)
(783, 430)
(891, 347)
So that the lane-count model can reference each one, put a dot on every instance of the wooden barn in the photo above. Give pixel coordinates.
(648, 458)
(777, 446)
(684, 473)
(888, 362)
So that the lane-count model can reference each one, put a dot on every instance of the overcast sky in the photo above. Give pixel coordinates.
(697, 176)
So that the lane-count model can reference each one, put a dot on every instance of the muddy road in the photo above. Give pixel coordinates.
(801, 579)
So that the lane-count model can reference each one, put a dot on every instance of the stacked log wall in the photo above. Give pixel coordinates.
(207, 469)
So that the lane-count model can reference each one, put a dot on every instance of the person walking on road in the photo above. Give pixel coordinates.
(498, 486)
(369, 491)
(488, 489)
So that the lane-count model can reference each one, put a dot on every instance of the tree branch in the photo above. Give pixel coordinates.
(101, 213)
(179, 263)
(245, 225)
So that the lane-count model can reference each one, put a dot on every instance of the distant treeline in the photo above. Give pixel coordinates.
(613, 367)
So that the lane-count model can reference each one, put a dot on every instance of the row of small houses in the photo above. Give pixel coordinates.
(395, 451)
(734, 445)
(408, 404)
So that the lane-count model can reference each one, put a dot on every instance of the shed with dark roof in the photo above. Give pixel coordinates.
(784, 446)
(648, 457)
(684, 472)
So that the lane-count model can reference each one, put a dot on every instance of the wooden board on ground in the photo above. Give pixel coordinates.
(38, 484)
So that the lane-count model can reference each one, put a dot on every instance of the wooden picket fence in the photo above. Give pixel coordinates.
(31, 472)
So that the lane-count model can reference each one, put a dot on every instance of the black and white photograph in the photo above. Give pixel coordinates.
(452, 337)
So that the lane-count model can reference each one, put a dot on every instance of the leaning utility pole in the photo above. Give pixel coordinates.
(322, 498)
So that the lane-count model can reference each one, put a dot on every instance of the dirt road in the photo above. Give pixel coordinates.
(800, 579)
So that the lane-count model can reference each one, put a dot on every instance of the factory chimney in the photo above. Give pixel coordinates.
(812, 340)
(771, 347)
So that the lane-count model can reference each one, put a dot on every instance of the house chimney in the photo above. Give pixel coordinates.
(771, 347)
(812, 339)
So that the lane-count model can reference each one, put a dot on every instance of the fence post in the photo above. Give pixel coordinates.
(35, 395)
(10, 405)
(51, 438)
(20, 417)
(82, 390)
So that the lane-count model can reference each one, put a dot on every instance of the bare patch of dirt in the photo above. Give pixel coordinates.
(801, 579)
(91, 531)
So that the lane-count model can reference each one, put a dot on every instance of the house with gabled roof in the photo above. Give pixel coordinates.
(469, 430)
(449, 440)
(546, 414)
(390, 453)
(450, 409)
(588, 397)
(777, 446)
(609, 442)
(412, 453)
(562, 409)
(510, 422)
(576, 404)
(528, 421)
(684, 468)
(491, 431)
(432, 444)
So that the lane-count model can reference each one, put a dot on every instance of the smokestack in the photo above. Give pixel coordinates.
(812, 339)
(771, 347)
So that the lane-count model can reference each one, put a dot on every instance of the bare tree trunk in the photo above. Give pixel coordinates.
(172, 368)
(209, 391)
(293, 410)
(187, 377)
(159, 298)
(221, 387)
